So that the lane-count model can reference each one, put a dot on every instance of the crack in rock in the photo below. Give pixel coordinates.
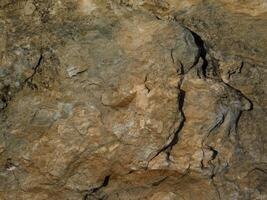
(28, 80)
(202, 62)
(94, 193)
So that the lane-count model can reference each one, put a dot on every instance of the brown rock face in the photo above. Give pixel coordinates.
(133, 100)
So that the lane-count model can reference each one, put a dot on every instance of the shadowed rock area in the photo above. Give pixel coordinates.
(133, 100)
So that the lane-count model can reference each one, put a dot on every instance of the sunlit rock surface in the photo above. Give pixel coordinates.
(123, 99)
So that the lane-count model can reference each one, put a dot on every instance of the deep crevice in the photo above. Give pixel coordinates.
(167, 148)
(202, 54)
(90, 194)
(175, 139)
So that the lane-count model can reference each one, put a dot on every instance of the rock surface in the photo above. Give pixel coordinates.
(123, 99)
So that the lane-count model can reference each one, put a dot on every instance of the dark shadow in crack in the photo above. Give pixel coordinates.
(202, 54)
(91, 194)
(168, 147)
(181, 99)
(175, 139)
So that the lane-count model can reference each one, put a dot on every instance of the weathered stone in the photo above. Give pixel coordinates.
(123, 99)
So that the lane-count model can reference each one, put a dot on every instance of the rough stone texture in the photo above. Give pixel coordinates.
(133, 99)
